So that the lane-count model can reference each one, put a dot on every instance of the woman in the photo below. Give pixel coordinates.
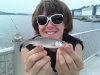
(52, 18)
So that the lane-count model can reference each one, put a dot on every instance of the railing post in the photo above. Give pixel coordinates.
(18, 70)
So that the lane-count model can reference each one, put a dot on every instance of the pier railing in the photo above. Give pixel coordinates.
(91, 41)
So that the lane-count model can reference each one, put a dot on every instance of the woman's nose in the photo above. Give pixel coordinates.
(50, 24)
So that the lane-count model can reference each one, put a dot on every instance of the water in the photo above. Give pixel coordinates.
(80, 26)
(11, 24)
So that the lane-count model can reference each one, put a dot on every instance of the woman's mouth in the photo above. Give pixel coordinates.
(50, 32)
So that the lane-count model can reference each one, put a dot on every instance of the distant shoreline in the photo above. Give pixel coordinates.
(7, 13)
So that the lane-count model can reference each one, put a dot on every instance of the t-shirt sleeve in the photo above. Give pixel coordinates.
(74, 41)
(80, 42)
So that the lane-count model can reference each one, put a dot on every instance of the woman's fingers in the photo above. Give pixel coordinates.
(46, 70)
(25, 53)
(36, 50)
(58, 68)
(69, 61)
(62, 62)
(36, 61)
(78, 61)
(38, 66)
(32, 59)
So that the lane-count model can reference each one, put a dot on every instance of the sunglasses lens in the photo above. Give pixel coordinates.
(42, 20)
(57, 19)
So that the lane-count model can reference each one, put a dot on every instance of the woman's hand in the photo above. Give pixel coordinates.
(67, 61)
(36, 61)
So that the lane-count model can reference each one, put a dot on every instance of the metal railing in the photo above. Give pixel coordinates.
(91, 41)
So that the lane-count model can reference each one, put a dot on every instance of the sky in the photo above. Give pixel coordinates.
(28, 6)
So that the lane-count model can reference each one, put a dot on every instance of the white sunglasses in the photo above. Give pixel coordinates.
(55, 19)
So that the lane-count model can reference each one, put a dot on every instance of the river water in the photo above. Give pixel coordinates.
(81, 26)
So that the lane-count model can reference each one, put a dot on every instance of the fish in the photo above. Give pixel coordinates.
(45, 42)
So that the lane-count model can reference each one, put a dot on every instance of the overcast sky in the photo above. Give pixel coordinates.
(27, 6)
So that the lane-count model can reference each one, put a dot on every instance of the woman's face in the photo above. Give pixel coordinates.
(53, 28)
